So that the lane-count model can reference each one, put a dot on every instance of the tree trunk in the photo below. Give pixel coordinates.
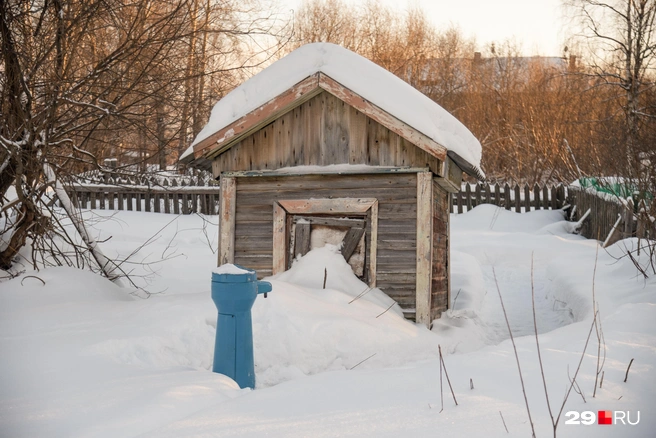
(184, 122)
(19, 233)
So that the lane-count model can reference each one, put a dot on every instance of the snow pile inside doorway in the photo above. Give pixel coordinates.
(303, 329)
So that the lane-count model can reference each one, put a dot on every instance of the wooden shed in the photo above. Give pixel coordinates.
(324, 141)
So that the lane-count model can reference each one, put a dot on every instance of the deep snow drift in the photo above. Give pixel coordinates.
(82, 357)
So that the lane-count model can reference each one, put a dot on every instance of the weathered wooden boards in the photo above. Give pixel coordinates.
(424, 246)
(302, 238)
(609, 220)
(351, 240)
(402, 217)
(433, 279)
(261, 221)
(441, 256)
(228, 204)
(260, 116)
(323, 131)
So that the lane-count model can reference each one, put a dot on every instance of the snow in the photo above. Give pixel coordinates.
(229, 268)
(84, 357)
(333, 168)
(360, 75)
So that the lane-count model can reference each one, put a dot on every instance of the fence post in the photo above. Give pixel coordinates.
(561, 196)
(156, 201)
(507, 200)
(102, 199)
(167, 205)
(478, 194)
(176, 198)
(641, 222)
(518, 205)
(119, 198)
(193, 196)
(110, 194)
(468, 195)
(536, 196)
(147, 197)
(527, 199)
(185, 199)
(485, 194)
(628, 219)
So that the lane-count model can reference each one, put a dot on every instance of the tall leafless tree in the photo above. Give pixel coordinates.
(620, 38)
(82, 79)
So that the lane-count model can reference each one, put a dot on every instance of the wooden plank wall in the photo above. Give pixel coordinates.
(440, 270)
(322, 131)
(397, 215)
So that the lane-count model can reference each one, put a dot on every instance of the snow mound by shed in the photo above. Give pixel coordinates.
(316, 330)
(360, 75)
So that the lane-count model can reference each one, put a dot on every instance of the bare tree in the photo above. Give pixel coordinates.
(620, 36)
(84, 79)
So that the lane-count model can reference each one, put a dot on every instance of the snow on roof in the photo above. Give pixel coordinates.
(360, 75)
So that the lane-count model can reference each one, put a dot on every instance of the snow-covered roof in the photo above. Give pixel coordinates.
(366, 79)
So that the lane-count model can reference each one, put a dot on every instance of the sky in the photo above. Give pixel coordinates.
(536, 24)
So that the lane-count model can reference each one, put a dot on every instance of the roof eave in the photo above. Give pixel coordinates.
(466, 166)
(228, 136)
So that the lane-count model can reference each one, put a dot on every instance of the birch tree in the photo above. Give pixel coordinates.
(620, 36)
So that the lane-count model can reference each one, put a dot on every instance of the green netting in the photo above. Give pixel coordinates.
(620, 189)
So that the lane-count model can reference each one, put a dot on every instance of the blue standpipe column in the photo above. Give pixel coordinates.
(234, 295)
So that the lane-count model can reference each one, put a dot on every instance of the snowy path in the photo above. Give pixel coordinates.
(516, 293)
(490, 240)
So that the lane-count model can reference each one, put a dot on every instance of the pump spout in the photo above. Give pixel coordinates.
(263, 287)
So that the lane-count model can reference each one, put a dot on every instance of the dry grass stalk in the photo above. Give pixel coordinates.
(512, 339)
(627, 371)
(598, 330)
(504, 422)
(443, 365)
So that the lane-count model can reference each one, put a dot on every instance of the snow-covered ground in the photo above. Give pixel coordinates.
(81, 357)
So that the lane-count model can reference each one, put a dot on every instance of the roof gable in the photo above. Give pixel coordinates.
(357, 81)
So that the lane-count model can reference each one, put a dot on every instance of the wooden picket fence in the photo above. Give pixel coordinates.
(609, 219)
(162, 195)
(515, 198)
(195, 195)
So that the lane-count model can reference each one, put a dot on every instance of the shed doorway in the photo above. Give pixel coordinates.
(304, 224)
(310, 232)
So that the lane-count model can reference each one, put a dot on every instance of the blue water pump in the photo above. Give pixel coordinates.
(234, 290)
